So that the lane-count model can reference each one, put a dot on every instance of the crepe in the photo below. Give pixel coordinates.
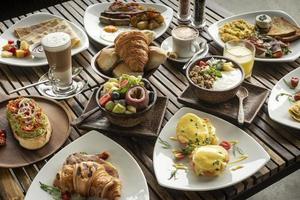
(294, 111)
(33, 34)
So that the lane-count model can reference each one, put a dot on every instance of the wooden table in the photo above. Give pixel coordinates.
(282, 143)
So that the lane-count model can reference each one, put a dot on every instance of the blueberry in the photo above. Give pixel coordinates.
(115, 95)
(18, 44)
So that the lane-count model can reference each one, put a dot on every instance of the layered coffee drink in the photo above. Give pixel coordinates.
(57, 47)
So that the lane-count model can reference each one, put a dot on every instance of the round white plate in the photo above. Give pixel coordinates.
(278, 110)
(95, 30)
(31, 20)
(163, 159)
(213, 31)
(167, 45)
(131, 175)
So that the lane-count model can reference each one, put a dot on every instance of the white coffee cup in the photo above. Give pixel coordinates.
(185, 43)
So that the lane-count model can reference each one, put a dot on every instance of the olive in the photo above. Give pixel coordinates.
(18, 44)
(115, 95)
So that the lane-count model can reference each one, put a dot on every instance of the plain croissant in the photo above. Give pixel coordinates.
(89, 176)
(133, 48)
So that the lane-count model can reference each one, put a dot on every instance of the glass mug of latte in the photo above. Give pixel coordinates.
(185, 43)
(57, 47)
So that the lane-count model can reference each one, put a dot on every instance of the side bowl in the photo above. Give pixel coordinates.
(214, 96)
(128, 120)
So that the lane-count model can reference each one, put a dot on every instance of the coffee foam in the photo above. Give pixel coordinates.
(184, 33)
(55, 42)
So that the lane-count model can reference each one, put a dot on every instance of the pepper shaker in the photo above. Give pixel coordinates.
(199, 20)
(184, 13)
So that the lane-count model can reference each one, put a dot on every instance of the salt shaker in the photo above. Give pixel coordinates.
(199, 20)
(184, 14)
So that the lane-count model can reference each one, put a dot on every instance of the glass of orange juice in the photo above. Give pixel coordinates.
(242, 52)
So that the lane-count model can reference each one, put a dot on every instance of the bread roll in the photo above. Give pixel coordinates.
(122, 68)
(107, 59)
(157, 56)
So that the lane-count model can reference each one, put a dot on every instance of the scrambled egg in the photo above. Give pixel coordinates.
(235, 30)
(192, 128)
(209, 160)
(294, 111)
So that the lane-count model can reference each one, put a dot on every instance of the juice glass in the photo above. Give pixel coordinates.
(242, 52)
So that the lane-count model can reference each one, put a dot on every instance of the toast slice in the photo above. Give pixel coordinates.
(281, 28)
(292, 37)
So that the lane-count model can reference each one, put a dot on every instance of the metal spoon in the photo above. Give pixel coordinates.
(241, 94)
(202, 48)
(76, 72)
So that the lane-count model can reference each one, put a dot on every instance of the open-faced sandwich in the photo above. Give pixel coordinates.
(29, 124)
(87, 176)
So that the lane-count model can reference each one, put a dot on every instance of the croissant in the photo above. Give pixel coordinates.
(133, 48)
(88, 178)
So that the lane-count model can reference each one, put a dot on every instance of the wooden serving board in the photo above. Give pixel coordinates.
(13, 155)
(229, 110)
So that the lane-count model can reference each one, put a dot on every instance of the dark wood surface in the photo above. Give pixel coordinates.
(282, 143)
(13, 155)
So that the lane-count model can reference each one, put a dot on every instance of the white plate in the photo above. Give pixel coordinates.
(278, 110)
(131, 175)
(167, 45)
(95, 30)
(31, 20)
(213, 31)
(163, 159)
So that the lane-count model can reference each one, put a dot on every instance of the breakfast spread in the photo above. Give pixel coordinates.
(29, 123)
(132, 54)
(34, 33)
(126, 95)
(87, 175)
(121, 13)
(215, 74)
(271, 36)
(18, 49)
(200, 144)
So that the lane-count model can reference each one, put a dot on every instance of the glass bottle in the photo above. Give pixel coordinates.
(184, 13)
(199, 20)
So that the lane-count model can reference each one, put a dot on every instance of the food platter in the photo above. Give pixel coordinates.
(278, 106)
(31, 20)
(163, 158)
(213, 31)
(95, 29)
(133, 180)
(13, 155)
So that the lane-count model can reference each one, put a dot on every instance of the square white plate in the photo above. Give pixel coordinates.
(163, 159)
(213, 31)
(31, 20)
(278, 110)
(95, 30)
(133, 180)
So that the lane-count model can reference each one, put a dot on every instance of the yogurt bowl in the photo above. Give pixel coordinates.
(215, 79)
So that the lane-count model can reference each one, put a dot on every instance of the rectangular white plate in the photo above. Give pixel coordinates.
(213, 31)
(163, 159)
(95, 30)
(133, 181)
(278, 110)
(31, 20)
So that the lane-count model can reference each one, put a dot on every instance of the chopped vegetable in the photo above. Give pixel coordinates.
(104, 99)
(226, 145)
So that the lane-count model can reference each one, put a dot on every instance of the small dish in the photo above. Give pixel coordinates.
(107, 76)
(167, 45)
(133, 179)
(163, 159)
(149, 128)
(278, 109)
(214, 96)
(37, 50)
(46, 88)
(229, 109)
(128, 120)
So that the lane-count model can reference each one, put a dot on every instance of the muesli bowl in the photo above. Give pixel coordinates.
(219, 82)
(130, 117)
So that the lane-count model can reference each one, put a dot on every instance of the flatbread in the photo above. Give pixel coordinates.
(281, 28)
(294, 111)
(33, 34)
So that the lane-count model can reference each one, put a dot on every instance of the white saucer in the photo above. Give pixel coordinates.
(46, 89)
(167, 45)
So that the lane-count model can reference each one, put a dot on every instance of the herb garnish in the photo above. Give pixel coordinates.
(290, 97)
(236, 148)
(53, 191)
(165, 144)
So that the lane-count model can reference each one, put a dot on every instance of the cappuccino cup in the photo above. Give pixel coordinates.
(185, 43)
(57, 48)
